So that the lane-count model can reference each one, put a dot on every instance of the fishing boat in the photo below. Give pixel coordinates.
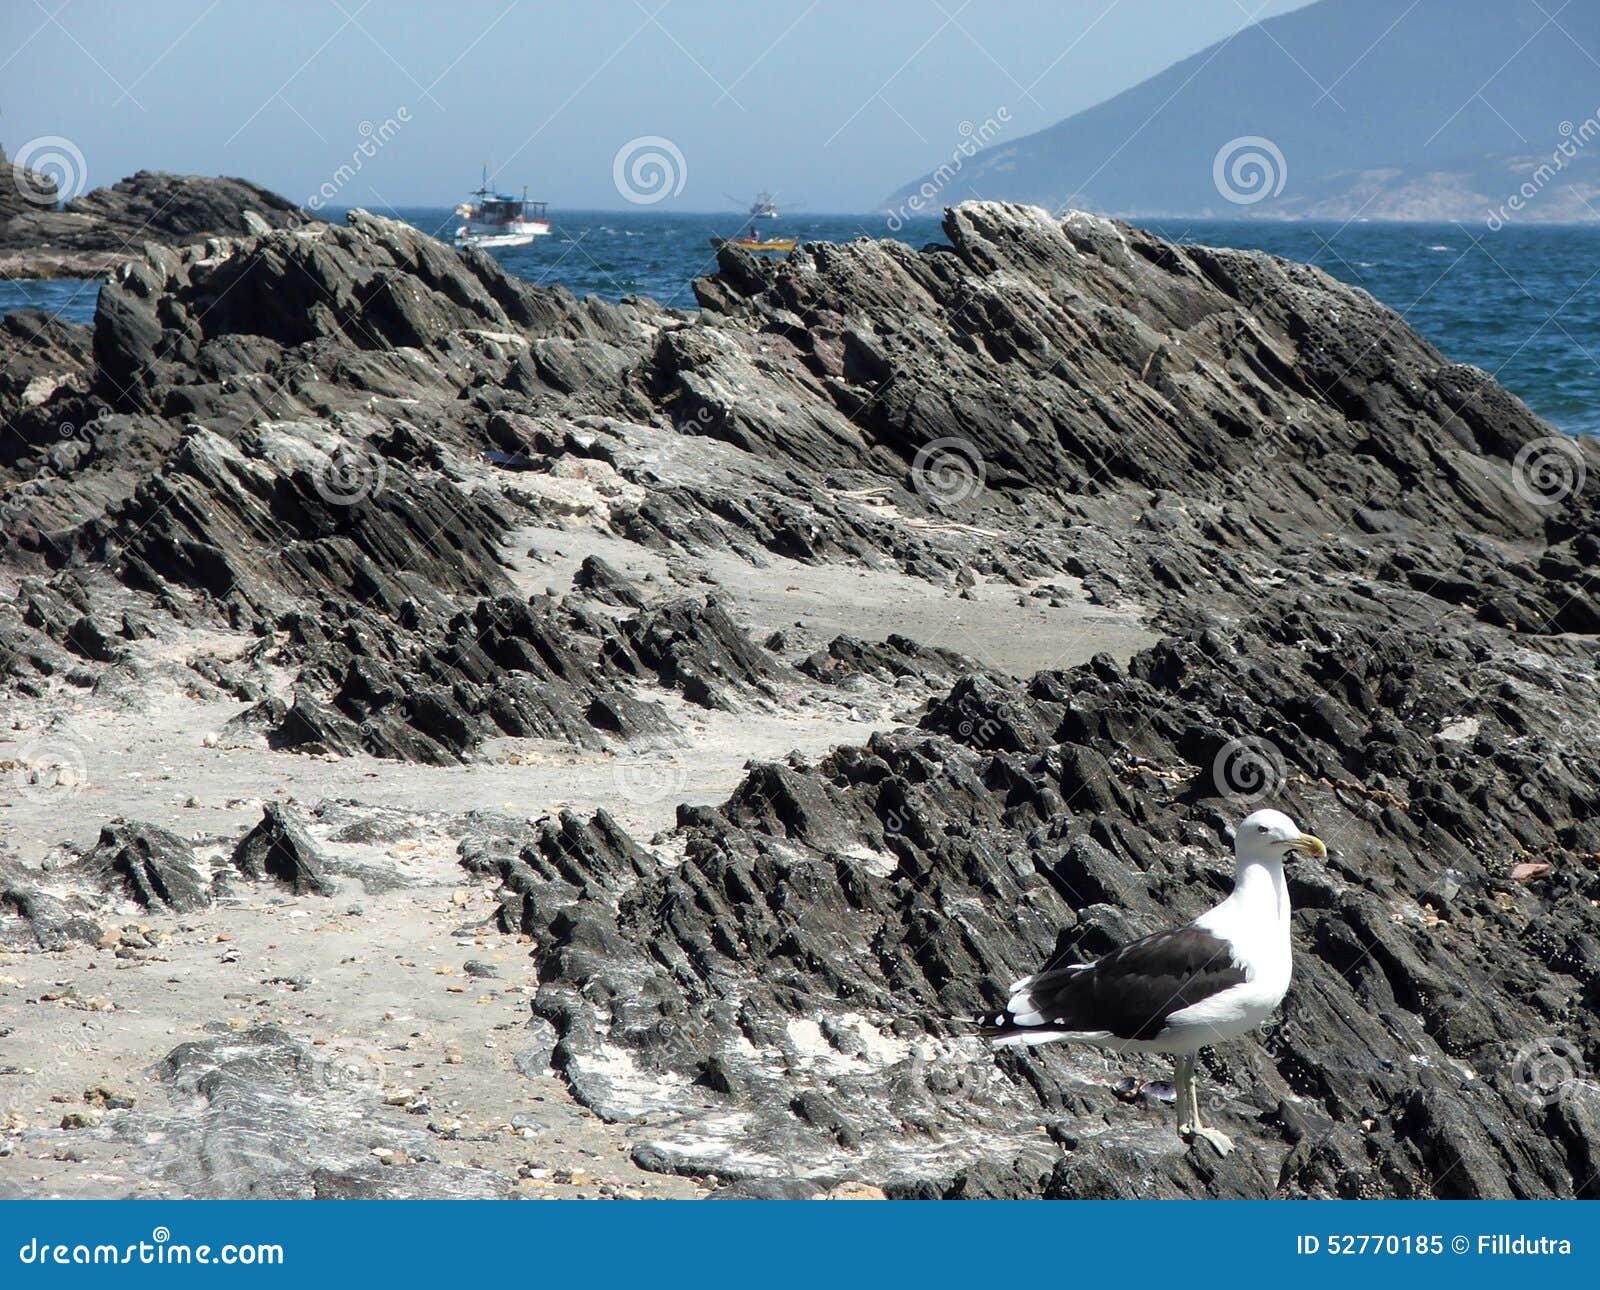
(765, 205)
(499, 219)
(752, 241)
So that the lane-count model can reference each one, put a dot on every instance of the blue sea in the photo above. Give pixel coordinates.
(1523, 303)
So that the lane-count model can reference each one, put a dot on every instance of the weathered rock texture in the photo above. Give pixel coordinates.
(259, 1115)
(22, 190)
(279, 849)
(1377, 573)
(90, 235)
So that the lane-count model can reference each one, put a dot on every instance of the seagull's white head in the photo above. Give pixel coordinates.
(1272, 836)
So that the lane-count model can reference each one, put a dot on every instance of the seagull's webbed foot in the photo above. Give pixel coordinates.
(1219, 1141)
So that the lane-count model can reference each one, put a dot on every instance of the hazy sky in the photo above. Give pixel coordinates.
(832, 103)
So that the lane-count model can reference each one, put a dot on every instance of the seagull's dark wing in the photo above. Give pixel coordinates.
(1128, 994)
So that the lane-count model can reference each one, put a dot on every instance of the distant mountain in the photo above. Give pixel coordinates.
(1472, 110)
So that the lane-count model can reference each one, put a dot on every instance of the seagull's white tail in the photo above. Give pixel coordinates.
(1041, 1008)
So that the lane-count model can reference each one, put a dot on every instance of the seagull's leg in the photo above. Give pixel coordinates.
(1219, 1141)
(1183, 1083)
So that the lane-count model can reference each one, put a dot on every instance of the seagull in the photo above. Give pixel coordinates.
(1178, 991)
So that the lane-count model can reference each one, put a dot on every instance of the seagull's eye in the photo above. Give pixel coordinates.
(1261, 828)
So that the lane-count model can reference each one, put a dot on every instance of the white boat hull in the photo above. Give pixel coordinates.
(466, 235)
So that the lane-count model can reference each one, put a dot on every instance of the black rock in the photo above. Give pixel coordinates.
(33, 917)
(91, 234)
(280, 849)
(148, 865)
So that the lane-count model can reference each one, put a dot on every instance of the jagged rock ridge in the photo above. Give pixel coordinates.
(91, 234)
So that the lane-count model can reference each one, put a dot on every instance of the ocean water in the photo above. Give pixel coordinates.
(1522, 303)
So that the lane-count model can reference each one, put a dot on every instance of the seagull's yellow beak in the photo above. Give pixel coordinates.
(1310, 845)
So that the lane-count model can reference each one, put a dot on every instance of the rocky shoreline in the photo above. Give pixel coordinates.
(686, 718)
(88, 236)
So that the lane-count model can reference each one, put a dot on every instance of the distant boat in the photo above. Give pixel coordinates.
(499, 219)
(753, 243)
(765, 205)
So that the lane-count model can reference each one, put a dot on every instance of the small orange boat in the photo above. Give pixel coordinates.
(756, 243)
